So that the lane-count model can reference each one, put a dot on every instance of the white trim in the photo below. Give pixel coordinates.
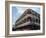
(24, 32)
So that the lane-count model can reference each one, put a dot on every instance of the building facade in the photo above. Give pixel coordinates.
(30, 20)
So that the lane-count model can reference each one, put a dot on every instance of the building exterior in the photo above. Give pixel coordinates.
(30, 20)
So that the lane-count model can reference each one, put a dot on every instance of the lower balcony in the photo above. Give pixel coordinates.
(26, 24)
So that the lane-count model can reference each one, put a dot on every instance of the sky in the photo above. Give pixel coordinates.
(18, 11)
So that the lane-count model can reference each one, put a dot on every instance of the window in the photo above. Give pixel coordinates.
(33, 19)
(36, 20)
(39, 21)
(29, 19)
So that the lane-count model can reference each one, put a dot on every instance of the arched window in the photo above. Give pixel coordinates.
(29, 19)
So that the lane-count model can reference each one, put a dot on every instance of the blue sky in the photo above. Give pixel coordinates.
(18, 11)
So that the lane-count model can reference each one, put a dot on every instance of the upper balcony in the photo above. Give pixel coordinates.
(26, 16)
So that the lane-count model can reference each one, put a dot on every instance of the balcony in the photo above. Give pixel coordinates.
(27, 23)
(28, 15)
